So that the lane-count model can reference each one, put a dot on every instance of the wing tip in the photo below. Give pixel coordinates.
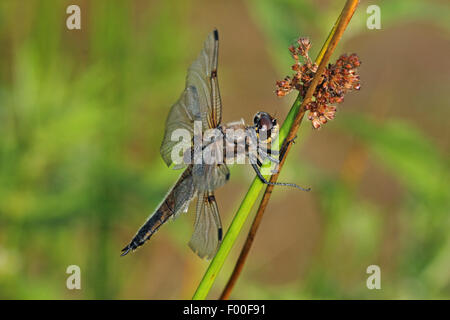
(216, 34)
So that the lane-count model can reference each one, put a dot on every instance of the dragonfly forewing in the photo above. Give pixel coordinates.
(182, 115)
(202, 74)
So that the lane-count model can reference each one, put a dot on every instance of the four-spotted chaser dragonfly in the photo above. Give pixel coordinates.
(200, 101)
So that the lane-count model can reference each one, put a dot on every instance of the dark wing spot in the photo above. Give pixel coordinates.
(213, 73)
(216, 35)
(220, 234)
(211, 198)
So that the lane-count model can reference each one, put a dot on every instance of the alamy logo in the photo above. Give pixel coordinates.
(74, 280)
(374, 20)
(373, 281)
(74, 20)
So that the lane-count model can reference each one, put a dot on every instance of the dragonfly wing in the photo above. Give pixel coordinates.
(181, 116)
(200, 101)
(210, 177)
(208, 228)
(202, 74)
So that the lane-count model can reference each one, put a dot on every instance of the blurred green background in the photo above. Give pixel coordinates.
(81, 121)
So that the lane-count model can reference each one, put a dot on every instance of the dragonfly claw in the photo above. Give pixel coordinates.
(292, 140)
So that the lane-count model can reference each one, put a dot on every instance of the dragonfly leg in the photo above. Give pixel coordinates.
(282, 153)
(262, 152)
(264, 155)
(284, 149)
(274, 160)
(261, 177)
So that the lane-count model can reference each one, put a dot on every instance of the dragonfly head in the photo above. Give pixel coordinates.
(266, 126)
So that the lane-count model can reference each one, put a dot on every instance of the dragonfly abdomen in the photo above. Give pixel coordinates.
(175, 201)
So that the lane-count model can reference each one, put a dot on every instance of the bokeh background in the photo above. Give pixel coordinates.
(81, 121)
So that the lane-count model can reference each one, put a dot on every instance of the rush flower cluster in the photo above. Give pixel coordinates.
(337, 80)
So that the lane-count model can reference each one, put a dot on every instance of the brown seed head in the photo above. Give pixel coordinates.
(337, 80)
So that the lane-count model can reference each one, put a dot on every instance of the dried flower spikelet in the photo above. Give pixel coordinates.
(338, 79)
(303, 46)
(284, 87)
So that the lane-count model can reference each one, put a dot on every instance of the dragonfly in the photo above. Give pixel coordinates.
(201, 102)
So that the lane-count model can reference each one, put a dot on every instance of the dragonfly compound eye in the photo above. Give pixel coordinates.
(264, 123)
